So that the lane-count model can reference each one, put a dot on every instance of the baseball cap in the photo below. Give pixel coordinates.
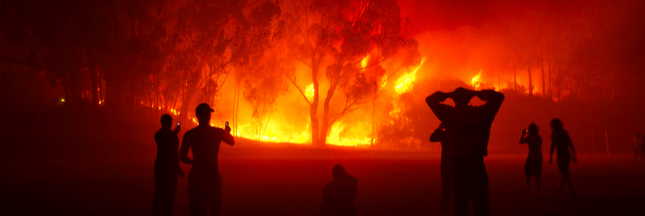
(203, 108)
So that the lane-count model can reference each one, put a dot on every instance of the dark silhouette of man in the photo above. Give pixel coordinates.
(533, 165)
(439, 135)
(561, 141)
(468, 128)
(339, 194)
(204, 180)
(166, 167)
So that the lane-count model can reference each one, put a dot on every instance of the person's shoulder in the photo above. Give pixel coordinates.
(190, 132)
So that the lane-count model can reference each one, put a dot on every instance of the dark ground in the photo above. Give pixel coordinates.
(54, 169)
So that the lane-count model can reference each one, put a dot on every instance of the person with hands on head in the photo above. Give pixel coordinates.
(533, 165)
(166, 167)
(561, 141)
(468, 129)
(204, 179)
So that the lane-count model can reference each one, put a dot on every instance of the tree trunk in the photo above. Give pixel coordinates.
(313, 108)
(514, 79)
(94, 81)
(324, 128)
(530, 81)
(543, 84)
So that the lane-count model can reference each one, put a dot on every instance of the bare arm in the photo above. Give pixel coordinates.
(573, 150)
(522, 138)
(552, 150)
(493, 100)
(442, 111)
(179, 171)
(183, 151)
(227, 137)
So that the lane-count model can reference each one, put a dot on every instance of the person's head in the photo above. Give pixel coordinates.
(203, 113)
(338, 170)
(556, 124)
(533, 129)
(166, 121)
(461, 97)
(638, 135)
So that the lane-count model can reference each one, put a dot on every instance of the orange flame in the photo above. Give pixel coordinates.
(405, 82)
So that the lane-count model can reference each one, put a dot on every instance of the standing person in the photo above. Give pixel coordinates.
(439, 135)
(468, 128)
(533, 165)
(166, 167)
(339, 194)
(561, 141)
(204, 180)
(638, 143)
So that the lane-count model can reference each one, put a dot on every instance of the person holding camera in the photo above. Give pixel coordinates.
(468, 128)
(204, 179)
(166, 167)
(533, 165)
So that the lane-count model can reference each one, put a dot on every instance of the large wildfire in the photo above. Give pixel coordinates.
(348, 73)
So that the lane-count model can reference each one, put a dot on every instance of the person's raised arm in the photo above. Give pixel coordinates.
(227, 137)
(183, 150)
(522, 138)
(493, 100)
(440, 110)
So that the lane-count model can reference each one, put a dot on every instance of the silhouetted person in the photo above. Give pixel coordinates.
(469, 129)
(561, 141)
(204, 180)
(638, 146)
(533, 165)
(339, 194)
(166, 167)
(439, 135)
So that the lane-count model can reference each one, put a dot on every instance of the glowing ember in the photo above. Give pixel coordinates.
(405, 82)
(475, 81)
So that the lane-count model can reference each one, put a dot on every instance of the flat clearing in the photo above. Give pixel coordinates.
(288, 180)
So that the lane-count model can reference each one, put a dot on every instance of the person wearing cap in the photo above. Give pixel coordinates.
(468, 128)
(339, 194)
(166, 167)
(204, 179)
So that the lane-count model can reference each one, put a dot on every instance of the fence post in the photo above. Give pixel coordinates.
(607, 142)
(593, 142)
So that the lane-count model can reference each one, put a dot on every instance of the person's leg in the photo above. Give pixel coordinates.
(446, 186)
(197, 196)
(215, 194)
(461, 181)
(157, 198)
(480, 193)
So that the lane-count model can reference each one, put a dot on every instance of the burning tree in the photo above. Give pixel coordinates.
(346, 31)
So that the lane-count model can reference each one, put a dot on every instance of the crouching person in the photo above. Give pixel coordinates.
(339, 194)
